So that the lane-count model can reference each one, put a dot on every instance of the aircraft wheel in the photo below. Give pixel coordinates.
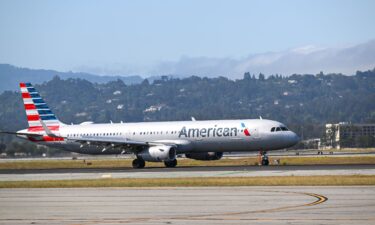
(265, 162)
(170, 164)
(138, 163)
(263, 158)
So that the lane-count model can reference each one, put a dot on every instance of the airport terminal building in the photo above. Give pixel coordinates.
(349, 135)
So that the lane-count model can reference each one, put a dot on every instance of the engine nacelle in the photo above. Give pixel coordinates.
(158, 153)
(205, 156)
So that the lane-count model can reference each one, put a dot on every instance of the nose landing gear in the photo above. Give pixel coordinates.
(263, 158)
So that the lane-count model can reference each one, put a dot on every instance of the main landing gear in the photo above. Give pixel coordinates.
(138, 163)
(263, 158)
(170, 164)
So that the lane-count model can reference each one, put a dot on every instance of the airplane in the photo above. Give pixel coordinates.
(152, 141)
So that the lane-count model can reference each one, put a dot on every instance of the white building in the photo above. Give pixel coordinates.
(337, 135)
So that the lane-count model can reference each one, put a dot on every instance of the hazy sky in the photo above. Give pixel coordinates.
(138, 36)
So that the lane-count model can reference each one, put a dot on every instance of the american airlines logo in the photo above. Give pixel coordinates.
(208, 132)
(245, 131)
(212, 132)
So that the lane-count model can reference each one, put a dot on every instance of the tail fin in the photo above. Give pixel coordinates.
(37, 110)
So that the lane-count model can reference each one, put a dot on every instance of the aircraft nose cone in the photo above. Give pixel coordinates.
(295, 138)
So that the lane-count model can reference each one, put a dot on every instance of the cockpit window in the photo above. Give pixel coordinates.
(274, 129)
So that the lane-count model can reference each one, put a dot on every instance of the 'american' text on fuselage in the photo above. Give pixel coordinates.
(208, 132)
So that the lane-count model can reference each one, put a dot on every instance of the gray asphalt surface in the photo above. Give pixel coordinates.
(191, 169)
(184, 172)
(202, 205)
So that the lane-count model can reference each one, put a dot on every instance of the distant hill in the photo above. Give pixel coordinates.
(10, 76)
(303, 102)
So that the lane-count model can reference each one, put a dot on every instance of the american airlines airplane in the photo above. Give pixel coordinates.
(152, 141)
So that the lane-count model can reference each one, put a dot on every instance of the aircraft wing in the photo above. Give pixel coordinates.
(107, 140)
(127, 144)
(120, 141)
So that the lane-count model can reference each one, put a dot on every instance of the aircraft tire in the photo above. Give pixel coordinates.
(170, 164)
(265, 162)
(138, 163)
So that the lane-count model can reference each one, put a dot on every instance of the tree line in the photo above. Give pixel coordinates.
(305, 103)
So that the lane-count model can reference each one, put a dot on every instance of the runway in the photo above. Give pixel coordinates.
(216, 171)
(207, 205)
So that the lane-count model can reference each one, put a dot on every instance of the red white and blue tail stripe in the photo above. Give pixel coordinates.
(37, 109)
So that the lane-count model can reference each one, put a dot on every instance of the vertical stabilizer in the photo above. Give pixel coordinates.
(37, 110)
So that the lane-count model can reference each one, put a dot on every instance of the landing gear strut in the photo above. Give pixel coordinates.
(138, 163)
(170, 164)
(263, 158)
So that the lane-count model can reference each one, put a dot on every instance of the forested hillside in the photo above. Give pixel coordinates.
(303, 102)
(10, 76)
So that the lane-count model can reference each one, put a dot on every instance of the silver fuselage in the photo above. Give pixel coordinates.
(188, 136)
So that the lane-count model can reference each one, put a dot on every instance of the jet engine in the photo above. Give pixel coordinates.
(205, 156)
(158, 153)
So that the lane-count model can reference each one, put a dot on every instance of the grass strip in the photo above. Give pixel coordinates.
(198, 182)
(327, 160)
(122, 163)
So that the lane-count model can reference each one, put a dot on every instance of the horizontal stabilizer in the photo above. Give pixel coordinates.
(20, 133)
